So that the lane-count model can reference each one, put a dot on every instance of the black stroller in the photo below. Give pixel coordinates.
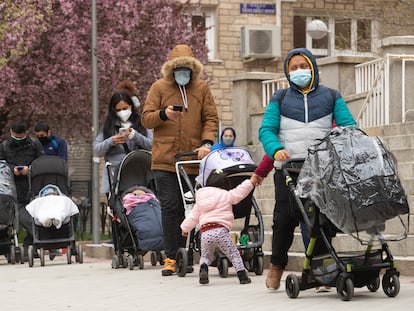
(9, 245)
(134, 170)
(45, 171)
(348, 183)
(238, 164)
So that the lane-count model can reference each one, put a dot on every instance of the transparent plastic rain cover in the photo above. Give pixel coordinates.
(352, 178)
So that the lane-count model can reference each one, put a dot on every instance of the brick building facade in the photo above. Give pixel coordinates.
(355, 27)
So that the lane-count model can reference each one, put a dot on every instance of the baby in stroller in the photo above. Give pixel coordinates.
(143, 212)
(51, 207)
(213, 210)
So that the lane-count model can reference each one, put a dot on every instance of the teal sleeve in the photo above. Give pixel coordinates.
(342, 115)
(269, 129)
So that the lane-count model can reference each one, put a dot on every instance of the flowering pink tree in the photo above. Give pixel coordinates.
(45, 56)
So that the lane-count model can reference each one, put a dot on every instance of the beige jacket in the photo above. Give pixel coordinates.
(200, 121)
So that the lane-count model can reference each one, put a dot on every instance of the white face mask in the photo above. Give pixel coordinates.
(124, 115)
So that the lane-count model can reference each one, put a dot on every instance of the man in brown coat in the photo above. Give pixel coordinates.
(181, 110)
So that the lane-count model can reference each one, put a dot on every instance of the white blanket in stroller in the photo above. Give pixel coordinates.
(51, 210)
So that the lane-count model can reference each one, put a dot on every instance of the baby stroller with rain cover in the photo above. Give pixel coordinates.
(238, 164)
(9, 245)
(134, 170)
(348, 183)
(45, 173)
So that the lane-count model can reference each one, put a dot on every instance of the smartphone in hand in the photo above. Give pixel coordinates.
(123, 130)
(20, 167)
(178, 108)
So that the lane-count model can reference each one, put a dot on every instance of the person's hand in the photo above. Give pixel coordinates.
(281, 155)
(119, 139)
(256, 180)
(23, 171)
(172, 114)
(131, 133)
(202, 152)
(184, 233)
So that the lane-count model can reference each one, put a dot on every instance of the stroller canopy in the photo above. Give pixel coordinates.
(48, 170)
(221, 159)
(352, 178)
(7, 185)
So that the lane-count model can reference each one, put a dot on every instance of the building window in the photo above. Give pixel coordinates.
(351, 36)
(206, 18)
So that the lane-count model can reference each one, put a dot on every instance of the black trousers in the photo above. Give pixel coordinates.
(286, 217)
(172, 210)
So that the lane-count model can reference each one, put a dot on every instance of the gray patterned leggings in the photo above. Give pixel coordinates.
(219, 238)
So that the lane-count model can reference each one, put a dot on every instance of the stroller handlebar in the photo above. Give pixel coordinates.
(178, 156)
(293, 165)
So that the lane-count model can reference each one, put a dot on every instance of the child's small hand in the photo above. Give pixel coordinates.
(184, 233)
(256, 180)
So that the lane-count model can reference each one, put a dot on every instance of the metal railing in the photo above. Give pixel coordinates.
(374, 77)
(270, 86)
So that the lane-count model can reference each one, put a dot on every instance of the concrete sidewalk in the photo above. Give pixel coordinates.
(94, 285)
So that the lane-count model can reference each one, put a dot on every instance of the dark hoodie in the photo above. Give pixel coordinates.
(303, 116)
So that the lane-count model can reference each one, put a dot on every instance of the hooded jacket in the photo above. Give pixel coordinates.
(215, 205)
(199, 122)
(302, 116)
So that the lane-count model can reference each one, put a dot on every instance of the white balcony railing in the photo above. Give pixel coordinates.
(374, 77)
(270, 86)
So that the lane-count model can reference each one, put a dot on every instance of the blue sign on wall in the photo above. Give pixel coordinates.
(253, 8)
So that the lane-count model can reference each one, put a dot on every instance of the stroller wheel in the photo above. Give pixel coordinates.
(79, 253)
(345, 288)
(42, 256)
(223, 267)
(12, 256)
(181, 262)
(140, 262)
(391, 284)
(153, 258)
(115, 262)
(131, 263)
(69, 255)
(258, 265)
(124, 261)
(18, 254)
(30, 255)
(374, 285)
(292, 286)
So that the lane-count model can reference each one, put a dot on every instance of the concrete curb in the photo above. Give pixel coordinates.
(106, 251)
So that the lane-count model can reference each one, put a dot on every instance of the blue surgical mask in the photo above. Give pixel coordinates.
(300, 77)
(227, 141)
(182, 77)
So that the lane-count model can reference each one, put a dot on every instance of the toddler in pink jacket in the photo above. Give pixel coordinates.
(214, 212)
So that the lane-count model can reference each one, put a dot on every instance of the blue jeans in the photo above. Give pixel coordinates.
(172, 210)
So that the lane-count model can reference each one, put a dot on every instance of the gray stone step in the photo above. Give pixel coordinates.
(399, 141)
(391, 130)
(406, 170)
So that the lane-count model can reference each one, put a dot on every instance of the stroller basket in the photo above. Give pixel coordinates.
(326, 270)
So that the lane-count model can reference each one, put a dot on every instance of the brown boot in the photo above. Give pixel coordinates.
(273, 277)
